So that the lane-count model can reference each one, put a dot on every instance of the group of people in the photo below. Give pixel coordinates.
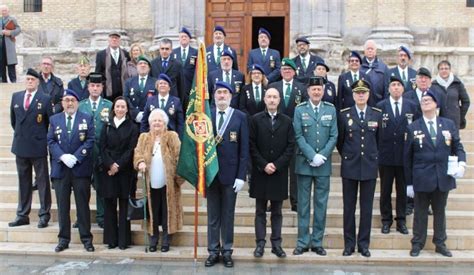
(282, 126)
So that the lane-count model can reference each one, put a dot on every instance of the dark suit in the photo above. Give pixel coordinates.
(271, 63)
(77, 178)
(187, 72)
(54, 87)
(236, 81)
(173, 70)
(357, 145)
(440, 96)
(391, 142)
(211, 58)
(233, 154)
(248, 103)
(425, 169)
(376, 72)
(117, 72)
(173, 109)
(344, 91)
(330, 93)
(136, 97)
(409, 85)
(303, 75)
(75, 85)
(29, 146)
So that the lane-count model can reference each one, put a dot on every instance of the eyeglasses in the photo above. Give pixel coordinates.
(46, 64)
(165, 49)
(354, 61)
(69, 100)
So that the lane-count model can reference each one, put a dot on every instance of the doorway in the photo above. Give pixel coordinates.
(276, 27)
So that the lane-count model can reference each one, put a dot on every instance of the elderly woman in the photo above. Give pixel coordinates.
(156, 155)
(135, 51)
(457, 102)
(118, 140)
(322, 70)
(251, 97)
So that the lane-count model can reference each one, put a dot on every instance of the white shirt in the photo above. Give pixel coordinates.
(31, 98)
(284, 85)
(96, 103)
(259, 90)
(118, 121)
(359, 110)
(306, 59)
(157, 172)
(315, 106)
(224, 75)
(356, 73)
(266, 51)
(218, 116)
(215, 50)
(72, 120)
(401, 71)
(145, 78)
(164, 97)
(392, 103)
(419, 94)
(428, 125)
(115, 52)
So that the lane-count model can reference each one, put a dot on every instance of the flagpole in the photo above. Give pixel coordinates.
(196, 212)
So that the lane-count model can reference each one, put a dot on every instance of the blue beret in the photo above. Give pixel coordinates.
(186, 31)
(224, 85)
(431, 94)
(302, 39)
(356, 55)
(228, 53)
(219, 29)
(165, 78)
(406, 50)
(264, 31)
(69, 92)
(322, 64)
(33, 73)
(257, 67)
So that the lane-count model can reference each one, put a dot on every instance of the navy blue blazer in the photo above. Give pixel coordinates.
(426, 163)
(376, 72)
(136, 97)
(298, 95)
(173, 70)
(330, 92)
(173, 109)
(236, 81)
(304, 75)
(440, 95)
(187, 71)
(392, 131)
(248, 104)
(211, 58)
(271, 63)
(80, 144)
(30, 127)
(233, 151)
(409, 85)
(344, 91)
(75, 85)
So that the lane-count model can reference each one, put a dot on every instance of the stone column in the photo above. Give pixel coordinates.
(110, 15)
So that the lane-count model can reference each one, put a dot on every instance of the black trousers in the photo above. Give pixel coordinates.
(261, 222)
(82, 194)
(159, 204)
(24, 168)
(293, 182)
(4, 64)
(220, 218)
(387, 175)
(438, 200)
(366, 200)
(117, 229)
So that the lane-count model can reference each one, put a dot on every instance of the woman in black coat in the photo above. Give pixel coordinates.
(118, 140)
(248, 103)
(322, 69)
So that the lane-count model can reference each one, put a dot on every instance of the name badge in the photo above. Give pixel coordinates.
(326, 117)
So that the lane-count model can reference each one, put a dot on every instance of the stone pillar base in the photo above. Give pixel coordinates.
(100, 38)
(391, 37)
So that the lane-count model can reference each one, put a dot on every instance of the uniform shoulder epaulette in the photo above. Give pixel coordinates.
(302, 104)
(328, 103)
(345, 109)
(105, 101)
(376, 109)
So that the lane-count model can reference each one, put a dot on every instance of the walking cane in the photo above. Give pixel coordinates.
(145, 193)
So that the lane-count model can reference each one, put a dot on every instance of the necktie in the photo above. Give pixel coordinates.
(264, 53)
(361, 116)
(355, 78)
(27, 101)
(257, 94)
(83, 83)
(183, 56)
(397, 110)
(316, 111)
(273, 118)
(94, 106)
(287, 94)
(221, 119)
(303, 63)
(227, 77)
(432, 132)
(164, 64)
(218, 59)
(69, 126)
(142, 83)
(116, 56)
(162, 106)
(404, 78)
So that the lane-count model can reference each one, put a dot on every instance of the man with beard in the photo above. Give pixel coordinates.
(305, 61)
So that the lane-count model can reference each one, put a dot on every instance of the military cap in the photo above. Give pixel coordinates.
(83, 60)
(423, 71)
(394, 78)
(264, 31)
(322, 64)
(302, 39)
(228, 53)
(430, 94)
(69, 92)
(145, 59)
(114, 33)
(33, 73)
(96, 78)
(288, 62)
(223, 85)
(360, 86)
(406, 50)
(219, 29)
(356, 55)
(186, 31)
(316, 81)
(257, 67)
(165, 77)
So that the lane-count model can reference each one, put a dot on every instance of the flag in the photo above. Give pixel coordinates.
(198, 156)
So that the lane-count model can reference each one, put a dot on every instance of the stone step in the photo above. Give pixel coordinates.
(243, 237)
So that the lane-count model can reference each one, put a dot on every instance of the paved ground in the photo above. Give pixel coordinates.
(59, 266)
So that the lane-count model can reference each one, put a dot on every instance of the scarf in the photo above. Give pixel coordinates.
(447, 82)
(108, 63)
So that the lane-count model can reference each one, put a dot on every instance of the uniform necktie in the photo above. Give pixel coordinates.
(162, 106)
(404, 78)
(257, 94)
(142, 83)
(164, 64)
(361, 116)
(316, 111)
(218, 59)
(432, 132)
(303, 63)
(264, 53)
(94, 106)
(183, 56)
(397, 110)
(27, 101)
(355, 78)
(227, 77)
(69, 126)
(287, 94)
(221, 120)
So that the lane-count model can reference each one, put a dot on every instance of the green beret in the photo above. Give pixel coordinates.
(288, 62)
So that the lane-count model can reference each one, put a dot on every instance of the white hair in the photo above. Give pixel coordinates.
(370, 41)
(156, 112)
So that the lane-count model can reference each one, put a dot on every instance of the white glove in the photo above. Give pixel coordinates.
(318, 160)
(410, 192)
(139, 117)
(69, 160)
(238, 185)
(460, 172)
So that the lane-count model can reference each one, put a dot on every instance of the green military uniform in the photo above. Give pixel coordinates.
(315, 134)
(101, 116)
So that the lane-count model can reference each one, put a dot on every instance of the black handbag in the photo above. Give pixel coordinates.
(136, 209)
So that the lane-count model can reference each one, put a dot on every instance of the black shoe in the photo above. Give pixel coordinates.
(75, 225)
(152, 248)
(279, 252)
(165, 248)
(300, 250)
(385, 228)
(228, 262)
(415, 251)
(34, 187)
(60, 247)
(319, 250)
(123, 247)
(258, 252)
(112, 246)
(19, 221)
(42, 224)
(89, 247)
(364, 252)
(402, 228)
(443, 250)
(101, 224)
(212, 260)
(294, 208)
(348, 251)
(409, 209)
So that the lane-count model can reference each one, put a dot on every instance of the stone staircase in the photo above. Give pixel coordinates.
(391, 248)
